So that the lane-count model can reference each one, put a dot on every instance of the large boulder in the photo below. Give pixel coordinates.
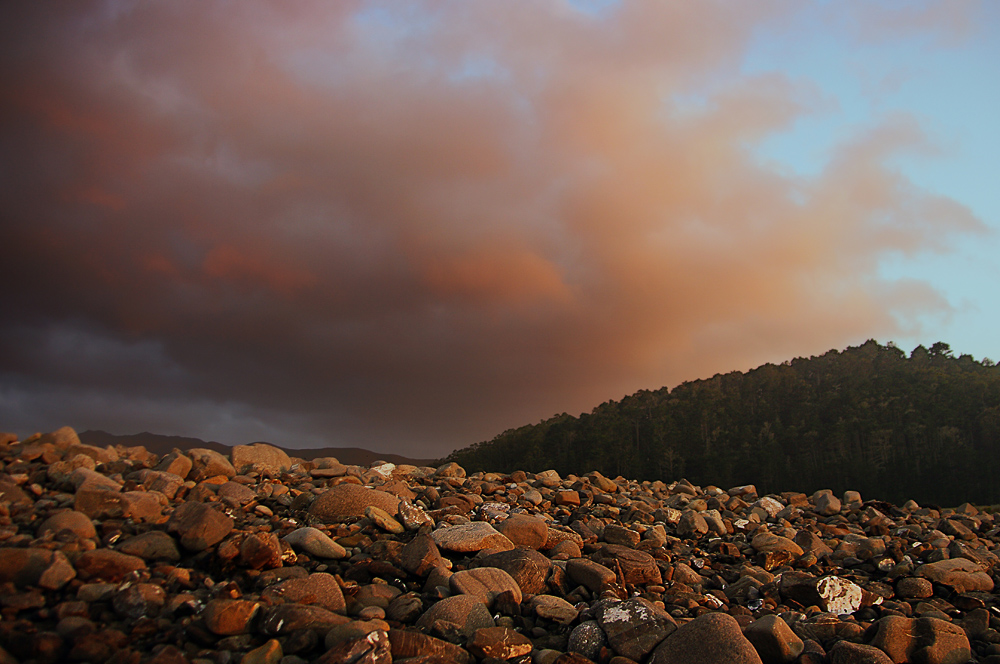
(350, 500)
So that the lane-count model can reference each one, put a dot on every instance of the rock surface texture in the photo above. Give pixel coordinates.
(117, 555)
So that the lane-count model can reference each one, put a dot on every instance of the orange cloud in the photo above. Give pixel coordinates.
(495, 276)
(424, 223)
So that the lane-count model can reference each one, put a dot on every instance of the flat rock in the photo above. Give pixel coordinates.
(470, 537)
(236, 493)
(384, 520)
(960, 574)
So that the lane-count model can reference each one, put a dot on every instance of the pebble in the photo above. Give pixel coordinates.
(253, 557)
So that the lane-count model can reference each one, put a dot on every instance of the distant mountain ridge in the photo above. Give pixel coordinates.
(869, 418)
(160, 444)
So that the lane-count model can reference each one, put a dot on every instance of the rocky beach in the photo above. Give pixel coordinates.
(116, 554)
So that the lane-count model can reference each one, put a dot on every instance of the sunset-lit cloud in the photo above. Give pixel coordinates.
(409, 226)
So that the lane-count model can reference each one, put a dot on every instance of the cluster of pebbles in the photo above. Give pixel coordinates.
(117, 555)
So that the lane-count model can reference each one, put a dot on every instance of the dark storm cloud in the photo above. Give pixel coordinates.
(410, 228)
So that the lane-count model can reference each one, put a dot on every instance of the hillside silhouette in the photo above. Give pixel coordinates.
(924, 426)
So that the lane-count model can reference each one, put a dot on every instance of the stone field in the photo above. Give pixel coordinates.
(117, 555)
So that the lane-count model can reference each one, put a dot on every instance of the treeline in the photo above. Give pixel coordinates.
(869, 418)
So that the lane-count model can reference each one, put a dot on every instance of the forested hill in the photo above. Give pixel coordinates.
(869, 418)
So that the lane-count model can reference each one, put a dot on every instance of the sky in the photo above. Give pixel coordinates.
(411, 226)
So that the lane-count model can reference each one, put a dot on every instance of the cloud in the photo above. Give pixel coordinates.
(409, 228)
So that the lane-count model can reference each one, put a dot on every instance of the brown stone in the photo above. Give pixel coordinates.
(635, 627)
(464, 611)
(637, 567)
(923, 640)
(588, 573)
(77, 523)
(499, 643)
(408, 644)
(484, 583)
(766, 542)
(959, 574)
(347, 500)
(470, 537)
(527, 567)
(260, 551)
(319, 588)
(708, 639)
(227, 617)
(845, 652)
(199, 525)
(567, 497)
(208, 463)
(25, 567)
(151, 545)
(774, 640)
(288, 618)
(139, 600)
(107, 565)
(260, 455)
(524, 530)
